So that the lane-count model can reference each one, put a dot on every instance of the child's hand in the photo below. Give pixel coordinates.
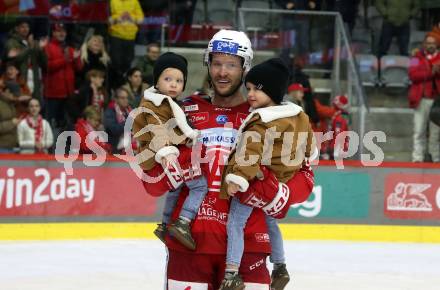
(233, 188)
(168, 160)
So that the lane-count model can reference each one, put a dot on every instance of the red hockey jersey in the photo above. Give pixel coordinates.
(209, 226)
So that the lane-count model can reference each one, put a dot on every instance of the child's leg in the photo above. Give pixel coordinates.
(198, 188)
(238, 216)
(170, 204)
(181, 228)
(276, 241)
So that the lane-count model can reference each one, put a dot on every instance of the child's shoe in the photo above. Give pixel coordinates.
(181, 230)
(161, 231)
(232, 281)
(280, 277)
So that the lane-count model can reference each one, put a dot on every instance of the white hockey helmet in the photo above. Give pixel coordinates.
(231, 42)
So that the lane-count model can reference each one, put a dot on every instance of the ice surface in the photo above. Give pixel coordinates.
(140, 264)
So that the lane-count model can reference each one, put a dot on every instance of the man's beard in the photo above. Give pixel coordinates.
(234, 88)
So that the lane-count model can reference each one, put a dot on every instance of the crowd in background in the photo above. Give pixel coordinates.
(50, 84)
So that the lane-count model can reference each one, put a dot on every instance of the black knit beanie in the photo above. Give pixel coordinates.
(271, 77)
(170, 60)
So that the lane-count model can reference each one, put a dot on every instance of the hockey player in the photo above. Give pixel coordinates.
(266, 84)
(170, 74)
(228, 57)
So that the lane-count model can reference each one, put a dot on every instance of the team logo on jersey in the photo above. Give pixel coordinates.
(221, 119)
(191, 108)
(262, 237)
(198, 118)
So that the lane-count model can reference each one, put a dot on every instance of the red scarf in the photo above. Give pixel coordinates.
(37, 125)
(98, 100)
(120, 115)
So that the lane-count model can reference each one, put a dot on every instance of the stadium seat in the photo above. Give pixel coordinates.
(368, 69)
(221, 16)
(394, 71)
(362, 40)
(256, 20)
(199, 16)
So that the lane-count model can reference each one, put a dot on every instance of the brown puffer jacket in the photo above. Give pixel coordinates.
(159, 139)
(292, 126)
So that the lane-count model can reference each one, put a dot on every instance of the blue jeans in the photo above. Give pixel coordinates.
(197, 191)
(238, 216)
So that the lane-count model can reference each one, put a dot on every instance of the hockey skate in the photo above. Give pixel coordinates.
(232, 282)
(161, 231)
(280, 277)
(181, 230)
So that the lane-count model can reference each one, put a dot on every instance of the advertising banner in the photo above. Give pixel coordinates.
(336, 194)
(412, 196)
(94, 191)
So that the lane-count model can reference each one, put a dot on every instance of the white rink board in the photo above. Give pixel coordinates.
(140, 264)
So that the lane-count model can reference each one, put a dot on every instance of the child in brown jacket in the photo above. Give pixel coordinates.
(266, 84)
(171, 147)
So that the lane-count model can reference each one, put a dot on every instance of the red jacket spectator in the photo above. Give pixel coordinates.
(91, 123)
(339, 123)
(422, 77)
(83, 128)
(59, 80)
(324, 113)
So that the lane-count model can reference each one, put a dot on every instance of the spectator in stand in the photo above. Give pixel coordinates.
(319, 114)
(8, 120)
(17, 86)
(156, 14)
(59, 79)
(91, 123)
(396, 16)
(146, 63)
(93, 56)
(115, 116)
(181, 18)
(28, 54)
(34, 133)
(295, 27)
(125, 17)
(135, 87)
(339, 123)
(424, 73)
(435, 32)
(348, 10)
(91, 93)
